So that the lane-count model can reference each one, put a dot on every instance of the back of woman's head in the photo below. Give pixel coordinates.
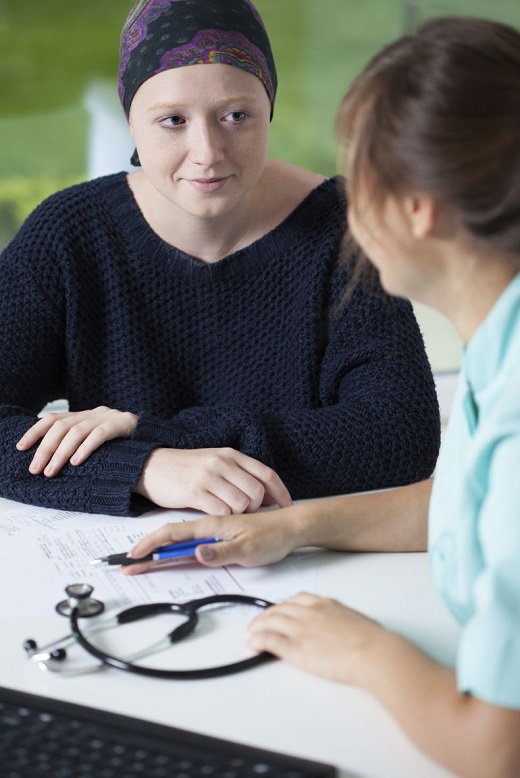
(439, 111)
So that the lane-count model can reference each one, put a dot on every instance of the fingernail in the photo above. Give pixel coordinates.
(206, 552)
(34, 467)
(74, 459)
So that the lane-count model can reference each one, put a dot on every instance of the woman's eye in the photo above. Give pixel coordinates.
(173, 121)
(237, 116)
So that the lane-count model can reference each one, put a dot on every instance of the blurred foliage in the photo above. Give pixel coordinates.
(20, 195)
(51, 49)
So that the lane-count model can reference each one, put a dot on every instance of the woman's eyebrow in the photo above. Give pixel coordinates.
(165, 106)
(241, 98)
(228, 99)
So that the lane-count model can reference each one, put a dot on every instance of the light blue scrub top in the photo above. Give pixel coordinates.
(474, 523)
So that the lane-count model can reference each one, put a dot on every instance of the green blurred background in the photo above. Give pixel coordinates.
(52, 52)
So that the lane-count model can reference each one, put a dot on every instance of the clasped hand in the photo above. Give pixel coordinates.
(214, 480)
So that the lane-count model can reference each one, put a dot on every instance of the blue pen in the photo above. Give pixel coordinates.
(172, 551)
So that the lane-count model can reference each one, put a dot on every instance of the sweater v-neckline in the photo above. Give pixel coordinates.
(149, 244)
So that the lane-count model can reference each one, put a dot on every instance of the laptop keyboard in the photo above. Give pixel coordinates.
(41, 736)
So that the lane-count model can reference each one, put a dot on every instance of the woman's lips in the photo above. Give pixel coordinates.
(208, 184)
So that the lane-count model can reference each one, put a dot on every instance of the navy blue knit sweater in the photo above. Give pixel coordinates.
(254, 352)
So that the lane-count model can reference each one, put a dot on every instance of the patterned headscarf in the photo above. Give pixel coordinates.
(162, 34)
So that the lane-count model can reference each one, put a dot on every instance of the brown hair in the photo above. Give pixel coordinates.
(439, 111)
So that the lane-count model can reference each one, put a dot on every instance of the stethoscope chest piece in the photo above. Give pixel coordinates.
(79, 597)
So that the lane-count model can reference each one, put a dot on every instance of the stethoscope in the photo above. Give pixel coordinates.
(80, 604)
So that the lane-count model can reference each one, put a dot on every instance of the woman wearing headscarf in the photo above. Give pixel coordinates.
(189, 312)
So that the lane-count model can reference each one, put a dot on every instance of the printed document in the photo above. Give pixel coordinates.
(55, 548)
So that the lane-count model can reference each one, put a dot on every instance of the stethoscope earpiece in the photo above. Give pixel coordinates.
(43, 654)
(59, 654)
(30, 646)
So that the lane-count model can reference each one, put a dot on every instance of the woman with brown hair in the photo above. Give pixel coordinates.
(432, 127)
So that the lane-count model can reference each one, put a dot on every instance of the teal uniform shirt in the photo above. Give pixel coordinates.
(474, 523)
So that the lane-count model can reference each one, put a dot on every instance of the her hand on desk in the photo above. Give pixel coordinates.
(316, 634)
(218, 481)
(251, 541)
(73, 436)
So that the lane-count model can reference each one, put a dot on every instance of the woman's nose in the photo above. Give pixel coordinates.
(206, 145)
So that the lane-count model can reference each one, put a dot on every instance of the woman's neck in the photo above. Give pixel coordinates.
(280, 190)
(475, 279)
(207, 238)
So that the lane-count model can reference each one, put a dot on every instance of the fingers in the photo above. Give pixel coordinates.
(227, 551)
(289, 630)
(278, 492)
(118, 424)
(287, 613)
(53, 430)
(73, 436)
(231, 489)
(224, 483)
(277, 628)
(286, 617)
(244, 483)
(275, 490)
(220, 498)
(208, 555)
(60, 444)
(38, 430)
(246, 540)
(175, 533)
(241, 483)
(169, 533)
(137, 569)
(218, 481)
(317, 634)
(236, 551)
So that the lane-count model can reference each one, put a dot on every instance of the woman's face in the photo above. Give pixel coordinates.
(201, 133)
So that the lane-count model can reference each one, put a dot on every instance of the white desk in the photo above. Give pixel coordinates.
(273, 706)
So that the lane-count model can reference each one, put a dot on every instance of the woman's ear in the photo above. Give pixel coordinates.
(421, 212)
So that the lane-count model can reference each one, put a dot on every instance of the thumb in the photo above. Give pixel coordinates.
(218, 554)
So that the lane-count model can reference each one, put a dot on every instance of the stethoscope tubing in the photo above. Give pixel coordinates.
(190, 610)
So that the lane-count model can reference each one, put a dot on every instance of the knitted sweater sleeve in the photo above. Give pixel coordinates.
(33, 372)
(375, 420)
